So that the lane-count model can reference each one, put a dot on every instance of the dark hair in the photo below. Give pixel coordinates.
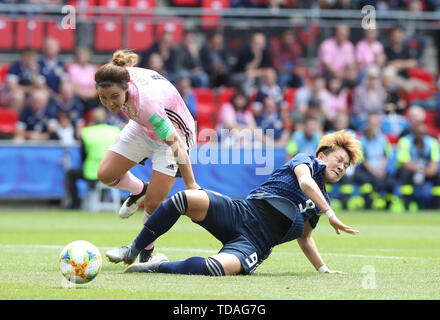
(115, 71)
(239, 93)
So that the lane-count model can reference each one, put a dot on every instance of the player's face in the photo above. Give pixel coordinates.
(337, 163)
(112, 97)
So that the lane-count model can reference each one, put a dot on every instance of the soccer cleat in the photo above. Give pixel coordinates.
(152, 266)
(145, 255)
(124, 253)
(131, 204)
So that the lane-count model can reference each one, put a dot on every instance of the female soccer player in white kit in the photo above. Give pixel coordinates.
(160, 126)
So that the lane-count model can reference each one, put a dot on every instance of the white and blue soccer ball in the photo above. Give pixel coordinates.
(80, 261)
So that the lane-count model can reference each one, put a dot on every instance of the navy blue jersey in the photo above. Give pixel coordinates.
(283, 183)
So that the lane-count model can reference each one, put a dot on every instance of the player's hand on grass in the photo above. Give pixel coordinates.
(334, 272)
(339, 226)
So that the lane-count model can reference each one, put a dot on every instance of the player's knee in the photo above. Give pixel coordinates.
(180, 202)
(106, 176)
(215, 267)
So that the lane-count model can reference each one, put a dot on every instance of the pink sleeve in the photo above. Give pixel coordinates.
(227, 113)
(326, 52)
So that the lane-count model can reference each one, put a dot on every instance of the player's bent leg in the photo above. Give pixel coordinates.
(113, 166)
(210, 266)
(198, 204)
(230, 263)
(160, 185)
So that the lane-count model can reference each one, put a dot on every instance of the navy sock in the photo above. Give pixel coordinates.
(193, 265)
(163, 218)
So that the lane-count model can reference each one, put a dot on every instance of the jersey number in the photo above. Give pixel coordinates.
(309, 205)
(252, 260)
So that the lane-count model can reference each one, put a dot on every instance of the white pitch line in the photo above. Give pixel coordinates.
(47, 246)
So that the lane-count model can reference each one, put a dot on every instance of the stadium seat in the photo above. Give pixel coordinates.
(8, 120)
(111, 7)
(430, 120)
(6, 34)
(140, 35)
(108, 35)
(174, 25)
(209, 20)
(206, 117)
(289, 97)
(65, 37)
(225, 95)
(136, 5)
(186, 3)
(29, 34)
(83, 5)
(4, 69)
(205, 98)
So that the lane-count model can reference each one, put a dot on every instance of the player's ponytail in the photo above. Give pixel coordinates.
(115, 71)
(124, 58)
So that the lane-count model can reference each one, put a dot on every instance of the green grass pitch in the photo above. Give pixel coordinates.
(395, 256)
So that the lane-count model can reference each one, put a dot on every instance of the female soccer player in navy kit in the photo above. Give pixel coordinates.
(285, 207)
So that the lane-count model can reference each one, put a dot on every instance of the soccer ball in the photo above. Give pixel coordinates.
(80, 261)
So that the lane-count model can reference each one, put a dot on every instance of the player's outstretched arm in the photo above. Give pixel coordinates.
(308, 246)
(182, 160)
(312, 191)
(339, 226)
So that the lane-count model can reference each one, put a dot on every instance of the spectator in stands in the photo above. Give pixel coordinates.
(305, 141)
(243, 4)
(394, 104)
(186, 91)
(368, 48)
(341, 122)
(335, 101)
(214, 59)
(272, 123)
(23, 77)
(68, 102)
(65, 130)
(95, 140)
(237, 118)
(155, 62)
(51, 67)
(369, 97)
(375, 183)
(269, 88)
(418, 159)
(188, 62)
(398, 55)
(336, 53)
(351, 77)
(285, 54)
(166, 49)
(35, 121)
(416, 41)
(315, 92)
(252, 60)
(337, 4)
(82, 75)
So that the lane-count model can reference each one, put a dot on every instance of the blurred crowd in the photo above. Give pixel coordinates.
(375, 86)
(425, 5)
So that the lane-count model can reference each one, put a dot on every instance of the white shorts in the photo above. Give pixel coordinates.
(135, 145)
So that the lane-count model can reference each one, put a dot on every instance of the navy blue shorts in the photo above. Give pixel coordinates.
(240, 228)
